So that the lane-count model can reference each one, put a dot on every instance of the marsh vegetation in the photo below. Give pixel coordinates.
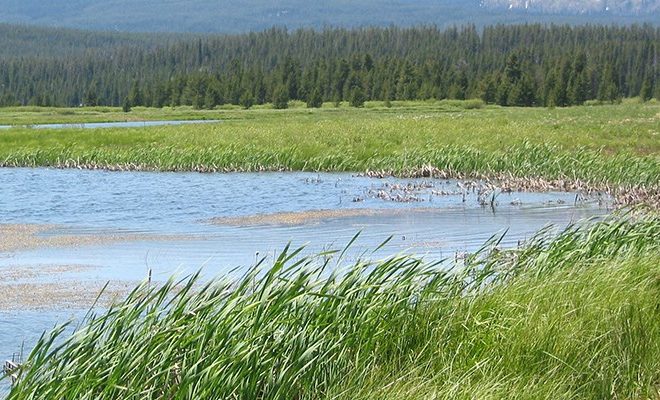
(567, 316)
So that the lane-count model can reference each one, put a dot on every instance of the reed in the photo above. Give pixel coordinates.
(568, 315)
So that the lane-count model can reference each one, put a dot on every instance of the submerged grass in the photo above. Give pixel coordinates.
(570, 316)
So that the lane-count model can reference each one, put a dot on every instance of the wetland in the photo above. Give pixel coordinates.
(89, 209)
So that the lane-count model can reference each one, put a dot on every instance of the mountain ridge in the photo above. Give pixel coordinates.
(222, 16)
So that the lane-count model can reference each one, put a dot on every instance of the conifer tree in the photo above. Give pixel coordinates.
(126, 105)
(135, 95)
(281, 97)
(357, 97)
(247, 101)
(315, 100)
(646, 92)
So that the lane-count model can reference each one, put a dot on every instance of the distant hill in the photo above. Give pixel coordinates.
(240, 16)
(613, 7)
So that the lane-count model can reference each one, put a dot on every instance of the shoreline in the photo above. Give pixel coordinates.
(623, 195)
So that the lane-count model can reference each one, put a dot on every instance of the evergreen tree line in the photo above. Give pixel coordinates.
(521, 65)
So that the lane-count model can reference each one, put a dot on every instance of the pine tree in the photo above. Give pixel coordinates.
(512, 70)
(281, 97)
(387, 63)
(581, 88)
(646, 92)
(608, 90)
(315, 100)
(560, 91)
(135, 96)
(357, 97)
(247, 100)
(489, 90)
(503, 90)
(522, 93)
(90, 99)
(126, 105)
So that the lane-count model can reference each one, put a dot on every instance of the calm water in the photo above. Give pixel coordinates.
(100, 203)
(126, 124)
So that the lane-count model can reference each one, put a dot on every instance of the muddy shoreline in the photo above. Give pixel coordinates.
(22, 237)
(312, 216)
(64, 295)
(51, 287)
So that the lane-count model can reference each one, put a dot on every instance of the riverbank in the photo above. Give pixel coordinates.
(610, 148)
(568, 316)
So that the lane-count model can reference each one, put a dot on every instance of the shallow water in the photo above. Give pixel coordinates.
(98, 125)
(94, 204)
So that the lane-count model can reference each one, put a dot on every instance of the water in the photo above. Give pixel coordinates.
(98, 204)
(97, 125)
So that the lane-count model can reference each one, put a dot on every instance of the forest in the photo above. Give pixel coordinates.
(519, 65)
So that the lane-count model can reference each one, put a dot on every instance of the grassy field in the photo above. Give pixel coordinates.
(570, 317)
(609, 144)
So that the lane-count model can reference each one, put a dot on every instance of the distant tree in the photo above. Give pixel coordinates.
(259, 88)
(90, 99)
(503, 90)
(213, 96)
(512, 70)
(357, 97)
(581, 89)
(247, 100)
(337, 100)
(646, 92)
(340, 77)
(608, 90)
(126, 105)
(315, 100)
(489, 90)
(522, 93)
(281, 97)
(135, 95)
(560, 92)
(406, 88)
(580, 83)
(387, 63)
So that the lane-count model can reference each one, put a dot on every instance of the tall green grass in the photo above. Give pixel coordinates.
(574, 315)
(521, 160)
(607, 145)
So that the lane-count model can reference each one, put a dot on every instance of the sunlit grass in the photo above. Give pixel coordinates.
(611, 144)
(568, 316)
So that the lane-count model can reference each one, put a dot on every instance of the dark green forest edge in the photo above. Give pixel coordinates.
(524, 65)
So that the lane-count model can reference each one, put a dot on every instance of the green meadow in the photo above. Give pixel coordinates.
(606, 144)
